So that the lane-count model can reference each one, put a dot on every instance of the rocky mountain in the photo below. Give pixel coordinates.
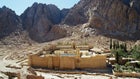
(39, 20)
(111, 17)
(64, 13)
(9, 22)
(119, 18)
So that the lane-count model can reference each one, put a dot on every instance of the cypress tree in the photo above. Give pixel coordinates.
(117, 46)
(110, 43)
(114, 45)
(125, 47)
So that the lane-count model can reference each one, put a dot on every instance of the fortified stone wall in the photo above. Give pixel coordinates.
(98, 61)
(65, 62)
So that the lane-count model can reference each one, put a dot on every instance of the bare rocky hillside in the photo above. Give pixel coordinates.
(39, 21)
(120, 18)
(43, 23)
(9, 22)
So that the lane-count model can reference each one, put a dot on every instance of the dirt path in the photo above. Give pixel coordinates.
(4, 58)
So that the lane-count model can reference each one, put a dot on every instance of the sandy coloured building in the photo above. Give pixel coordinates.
(69, 58)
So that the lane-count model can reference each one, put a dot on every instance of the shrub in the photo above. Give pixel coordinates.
(59, 43)
(119, 53)
(135, 52)
(137, 70)
(117, 68)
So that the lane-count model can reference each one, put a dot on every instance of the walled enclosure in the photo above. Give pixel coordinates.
(68, 57)
(65, 62)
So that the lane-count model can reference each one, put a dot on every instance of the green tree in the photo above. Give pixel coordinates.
(135, 52)
(110, 43)
(119, 53)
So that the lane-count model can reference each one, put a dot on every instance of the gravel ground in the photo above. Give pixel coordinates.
(78, 76)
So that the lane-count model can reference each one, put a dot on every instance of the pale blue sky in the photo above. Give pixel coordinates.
(20, 5)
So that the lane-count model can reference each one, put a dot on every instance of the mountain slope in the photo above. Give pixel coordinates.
(119, 18)
(111, 17)
(9, 22)
(39, 20)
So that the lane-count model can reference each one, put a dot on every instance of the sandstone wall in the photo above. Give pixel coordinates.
(92, 62)
(56, 62)
(36, 61)
(65, 62)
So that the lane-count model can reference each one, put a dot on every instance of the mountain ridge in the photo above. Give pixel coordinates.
(112, 17)
(119, 18)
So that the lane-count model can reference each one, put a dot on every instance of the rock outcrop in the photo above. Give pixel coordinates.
(133, 3)
(113, 17)
(55, 33)
(39, 21)
(9, 22)
(76, 15)
(64, 13)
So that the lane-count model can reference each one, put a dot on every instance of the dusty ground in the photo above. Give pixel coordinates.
(16, 55)
(79, 76)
